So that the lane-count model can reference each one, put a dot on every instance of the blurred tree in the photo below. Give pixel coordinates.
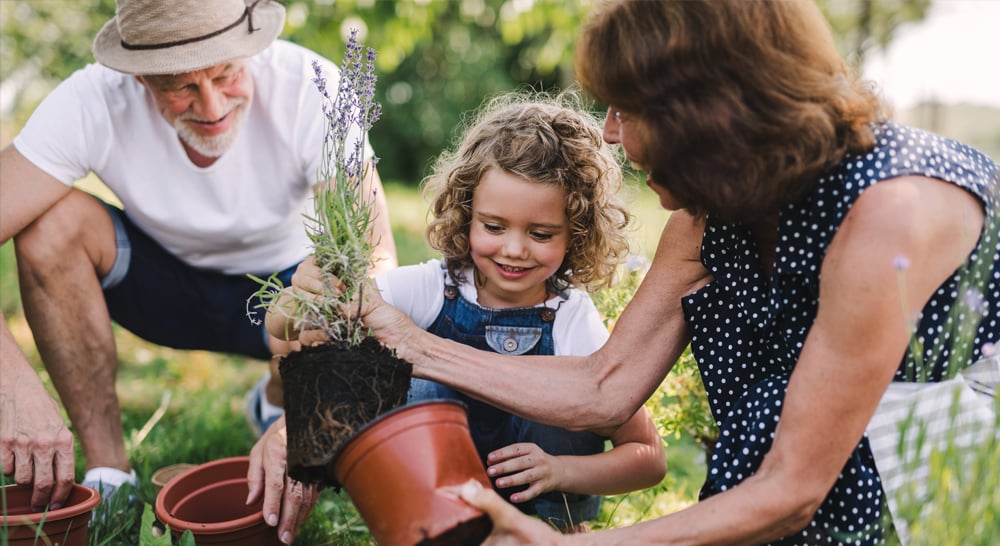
(438, 58)
(861, 25)
(42, 42)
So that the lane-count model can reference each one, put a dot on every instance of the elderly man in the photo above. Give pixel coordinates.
(209, 132)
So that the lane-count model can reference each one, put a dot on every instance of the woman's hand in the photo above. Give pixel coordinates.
(525, 464)
(267, 476)
(510, 526)
(387, 323)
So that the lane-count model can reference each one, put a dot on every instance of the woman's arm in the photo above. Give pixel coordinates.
(849, 357)
(598, 392)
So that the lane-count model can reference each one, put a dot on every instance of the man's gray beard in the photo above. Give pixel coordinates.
(212, 146)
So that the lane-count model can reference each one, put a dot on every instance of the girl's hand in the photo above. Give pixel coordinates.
(307, 283)
(308, 277)
(525, 464)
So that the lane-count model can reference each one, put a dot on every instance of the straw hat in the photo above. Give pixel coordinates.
(175, 36)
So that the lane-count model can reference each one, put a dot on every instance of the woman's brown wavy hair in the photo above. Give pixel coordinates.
(740, 104)
(545, 140)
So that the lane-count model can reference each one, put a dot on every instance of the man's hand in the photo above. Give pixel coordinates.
(282, 495)
(35, 445)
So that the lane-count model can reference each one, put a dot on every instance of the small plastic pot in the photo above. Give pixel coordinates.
(66, 526)
(397, 468)
(210, 500)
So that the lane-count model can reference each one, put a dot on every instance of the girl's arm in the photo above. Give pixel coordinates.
(636, 461)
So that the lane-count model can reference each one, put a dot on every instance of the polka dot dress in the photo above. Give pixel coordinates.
(748, 329)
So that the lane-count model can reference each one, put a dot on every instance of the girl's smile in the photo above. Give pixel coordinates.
(518, 238)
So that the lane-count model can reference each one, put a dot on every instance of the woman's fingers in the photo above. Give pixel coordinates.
(510, 526)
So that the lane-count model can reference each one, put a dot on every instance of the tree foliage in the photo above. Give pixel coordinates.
(437, 58)
(41, 43)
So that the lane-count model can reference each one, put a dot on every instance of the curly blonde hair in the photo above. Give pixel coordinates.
(546, 140)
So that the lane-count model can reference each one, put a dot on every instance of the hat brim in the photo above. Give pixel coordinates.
(235, 43)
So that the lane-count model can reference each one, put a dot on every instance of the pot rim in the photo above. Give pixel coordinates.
(351, 445)
(87, 504)
(405, 407)
(210, 528)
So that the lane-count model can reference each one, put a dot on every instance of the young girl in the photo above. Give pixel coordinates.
(525, 211)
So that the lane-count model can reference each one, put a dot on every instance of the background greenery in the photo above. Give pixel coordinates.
(437, 60)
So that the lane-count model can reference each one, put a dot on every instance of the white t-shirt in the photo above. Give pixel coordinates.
(418, 290)
(242, 214)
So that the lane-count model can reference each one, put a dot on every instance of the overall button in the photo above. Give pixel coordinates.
(512, 340)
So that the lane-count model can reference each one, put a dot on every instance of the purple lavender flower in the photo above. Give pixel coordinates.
(351, 112)
(341, 228)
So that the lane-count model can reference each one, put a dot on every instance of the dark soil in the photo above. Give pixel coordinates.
(330, 394)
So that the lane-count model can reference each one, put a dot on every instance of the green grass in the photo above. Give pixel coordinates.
(201, 396)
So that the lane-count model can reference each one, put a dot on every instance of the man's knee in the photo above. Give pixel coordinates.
(76, 223)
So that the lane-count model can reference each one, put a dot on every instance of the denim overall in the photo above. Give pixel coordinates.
(518, 331)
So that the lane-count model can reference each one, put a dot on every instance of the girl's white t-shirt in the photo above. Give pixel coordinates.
(242, 214)
(418, 290)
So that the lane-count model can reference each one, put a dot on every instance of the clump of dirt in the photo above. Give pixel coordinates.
(330, 394)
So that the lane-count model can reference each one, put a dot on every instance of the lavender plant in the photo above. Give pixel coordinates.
(341, 227)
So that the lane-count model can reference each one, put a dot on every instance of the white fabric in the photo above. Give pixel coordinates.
(243, 214)
(956, 412)
(110, 476)
(418, 290)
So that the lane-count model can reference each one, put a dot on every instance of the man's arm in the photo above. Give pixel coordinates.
(384, 256)
(35, 444)
(27, 192)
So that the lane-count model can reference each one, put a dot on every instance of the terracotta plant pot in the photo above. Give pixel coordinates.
(167, 473)
(66, 526)
(210, 500)
(395, 470)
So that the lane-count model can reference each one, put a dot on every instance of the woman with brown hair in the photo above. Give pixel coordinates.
(797, 209)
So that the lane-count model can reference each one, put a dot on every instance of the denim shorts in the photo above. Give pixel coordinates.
(161, 299)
